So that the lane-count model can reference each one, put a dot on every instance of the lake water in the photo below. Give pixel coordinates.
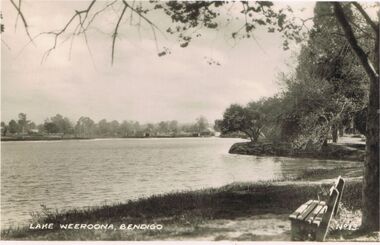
(80, 173)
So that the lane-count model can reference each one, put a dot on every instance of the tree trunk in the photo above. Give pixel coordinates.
(341, 130)
(370, 199)
(334, 133)
(370, 191)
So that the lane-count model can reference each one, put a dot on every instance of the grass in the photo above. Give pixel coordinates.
(313, 174)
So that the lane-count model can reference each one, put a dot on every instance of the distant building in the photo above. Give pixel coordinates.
(34, 131)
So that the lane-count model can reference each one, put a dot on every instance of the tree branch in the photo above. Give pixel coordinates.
(26, 27)
(115, 32)
(18, 15)
(58, 33)
(143, 17)
(363, 58)
(96, 14)
(366, 16)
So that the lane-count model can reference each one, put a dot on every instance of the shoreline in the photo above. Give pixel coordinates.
(341, 152)
(82, 138)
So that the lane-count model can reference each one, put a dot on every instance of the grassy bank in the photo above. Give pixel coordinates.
(348, 152)
(191, 215)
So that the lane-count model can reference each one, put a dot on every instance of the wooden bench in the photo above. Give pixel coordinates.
(311, 220)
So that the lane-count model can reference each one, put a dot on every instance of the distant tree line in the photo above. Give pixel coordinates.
(85, 127)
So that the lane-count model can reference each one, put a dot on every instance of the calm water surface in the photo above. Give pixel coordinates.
(76, 174)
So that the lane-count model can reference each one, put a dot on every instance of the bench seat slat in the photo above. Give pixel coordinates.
(300, 209)
(309, 219)
(318, 219)
(308, 210)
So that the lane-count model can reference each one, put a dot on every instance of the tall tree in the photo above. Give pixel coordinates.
(370, 220)
(23, 122)
(201, 124)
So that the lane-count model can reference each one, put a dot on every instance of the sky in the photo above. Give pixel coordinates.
(140, 85)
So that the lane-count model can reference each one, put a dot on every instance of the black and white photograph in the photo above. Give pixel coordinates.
(148, 120)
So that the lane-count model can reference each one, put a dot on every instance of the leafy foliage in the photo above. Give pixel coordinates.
(248, 120)
(327, 88)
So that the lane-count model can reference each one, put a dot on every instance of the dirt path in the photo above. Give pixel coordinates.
(267, 227)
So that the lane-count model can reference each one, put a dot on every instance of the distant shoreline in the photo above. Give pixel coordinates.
(82, 138)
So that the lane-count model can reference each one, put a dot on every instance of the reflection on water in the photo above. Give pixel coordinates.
(68, 174)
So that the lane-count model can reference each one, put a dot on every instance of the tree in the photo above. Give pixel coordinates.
(51, 127)
(23, 122)
(163, 128)
(63, 123)
(4, 129)
(360, 119)
(256, 116)
(114, 127)
(218, 125)
(271, 109)
(103, 127)
(173, 127)
(41, 128)
(136, 129)
(370, 200)
(126, 128)
(150, 129)
(242, 119)
(85, 127)
(201, 124)
(13, 127)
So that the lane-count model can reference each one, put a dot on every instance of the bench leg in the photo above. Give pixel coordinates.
(296, 229)
(301, 231)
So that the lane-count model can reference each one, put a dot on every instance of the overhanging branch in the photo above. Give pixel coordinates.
(114, 35)
(19, 12)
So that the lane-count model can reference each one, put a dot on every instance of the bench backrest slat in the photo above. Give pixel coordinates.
(331, 204)
(339, 185)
